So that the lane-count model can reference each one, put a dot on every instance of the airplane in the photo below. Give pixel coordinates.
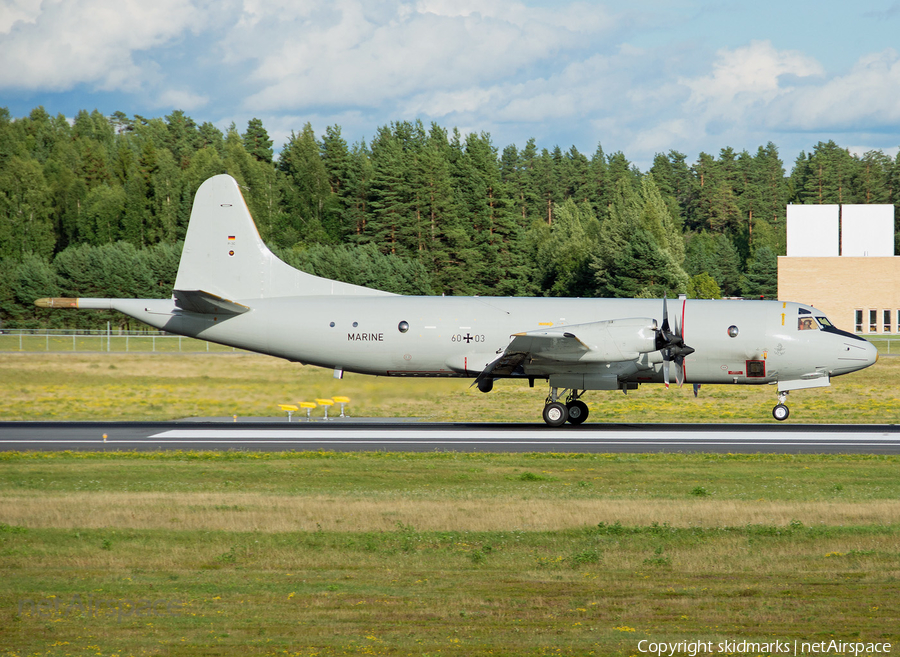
(232, 290)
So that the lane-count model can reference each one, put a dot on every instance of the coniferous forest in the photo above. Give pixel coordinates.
(98, 207)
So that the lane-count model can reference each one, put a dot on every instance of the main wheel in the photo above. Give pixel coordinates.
(781, 412)
(578, 411)
(555, 414)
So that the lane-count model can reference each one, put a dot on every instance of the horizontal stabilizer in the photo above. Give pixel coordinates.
(198, 301)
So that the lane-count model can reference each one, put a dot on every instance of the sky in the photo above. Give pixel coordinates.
(640, 76)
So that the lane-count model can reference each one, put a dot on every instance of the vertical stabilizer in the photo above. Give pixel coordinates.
(224, 255)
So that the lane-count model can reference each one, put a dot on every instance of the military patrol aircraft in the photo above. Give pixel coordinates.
(230, 289)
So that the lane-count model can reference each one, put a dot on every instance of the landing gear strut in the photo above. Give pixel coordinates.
(573, 411)
(781, 411)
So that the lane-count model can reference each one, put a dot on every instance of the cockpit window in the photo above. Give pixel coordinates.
(824, 322)
(807, 324)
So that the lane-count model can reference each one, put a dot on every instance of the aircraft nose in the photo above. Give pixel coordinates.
(871, 354)
(854, 355)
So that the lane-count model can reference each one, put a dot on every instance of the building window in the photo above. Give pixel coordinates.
(873, 321)
(887, 321)
(859, 318)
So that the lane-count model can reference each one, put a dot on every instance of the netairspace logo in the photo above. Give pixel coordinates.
(694, 648)
(91, 607)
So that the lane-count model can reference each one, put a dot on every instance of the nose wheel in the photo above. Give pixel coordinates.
(781, 411)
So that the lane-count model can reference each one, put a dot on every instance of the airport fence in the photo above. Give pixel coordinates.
(56, 340)
(884, 343)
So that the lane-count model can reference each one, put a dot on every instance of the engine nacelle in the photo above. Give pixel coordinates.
(616, 339)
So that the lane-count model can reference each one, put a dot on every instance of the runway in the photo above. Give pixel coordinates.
(390, 436)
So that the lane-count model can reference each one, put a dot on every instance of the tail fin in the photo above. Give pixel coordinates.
(224, 256)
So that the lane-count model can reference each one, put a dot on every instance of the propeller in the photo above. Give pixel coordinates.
(672, 346)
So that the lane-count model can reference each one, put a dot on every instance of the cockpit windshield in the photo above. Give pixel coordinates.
(824, 322)
(807, 324)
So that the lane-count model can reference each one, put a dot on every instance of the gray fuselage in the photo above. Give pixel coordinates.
(460, 336)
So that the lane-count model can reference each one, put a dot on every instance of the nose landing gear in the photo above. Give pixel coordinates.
(781, 411)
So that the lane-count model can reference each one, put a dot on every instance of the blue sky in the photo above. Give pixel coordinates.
(643, 77)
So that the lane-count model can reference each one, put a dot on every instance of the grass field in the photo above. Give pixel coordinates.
(237, 553)
(116, 386)
(443, 554)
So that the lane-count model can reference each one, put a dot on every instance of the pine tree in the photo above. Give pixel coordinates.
(391, 194)
(306, 191)
(336, 158)
(872, 181)
(830, 173)
(25, 224)
(256, 141)
(563, 251)
(181, 138)
(761, 279)
(600, 190)
(639, 253)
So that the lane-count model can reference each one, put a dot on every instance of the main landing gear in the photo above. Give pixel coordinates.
(781, 411)
(574, 411)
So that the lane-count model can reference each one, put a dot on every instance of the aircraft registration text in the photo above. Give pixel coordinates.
(468, 338)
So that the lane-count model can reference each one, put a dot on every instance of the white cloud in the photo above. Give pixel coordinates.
(349, 58)
(869, 94)
(747, 77)
(69, 42)
(14, 11)
(182, 99)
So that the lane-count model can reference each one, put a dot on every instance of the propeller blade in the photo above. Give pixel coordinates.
(672, 346)
(667, 356)
(696, 389)
(665, 323)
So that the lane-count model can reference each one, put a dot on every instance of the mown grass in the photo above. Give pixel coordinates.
(70, 386)
(444, 554)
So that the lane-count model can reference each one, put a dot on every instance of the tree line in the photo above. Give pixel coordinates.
(98, 207)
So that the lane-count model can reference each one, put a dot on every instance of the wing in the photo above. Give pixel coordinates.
(608, 341)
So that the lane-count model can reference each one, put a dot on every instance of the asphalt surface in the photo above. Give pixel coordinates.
(345, 435)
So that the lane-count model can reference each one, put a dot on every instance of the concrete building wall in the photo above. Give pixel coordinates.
(813, 230)
(847, 289)
(867, 231)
